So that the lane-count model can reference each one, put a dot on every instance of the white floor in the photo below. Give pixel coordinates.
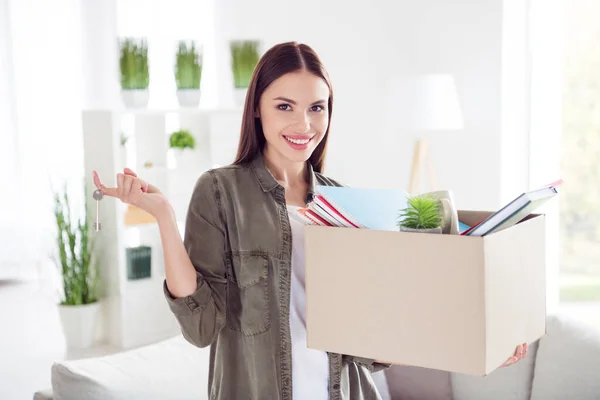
(31, 338)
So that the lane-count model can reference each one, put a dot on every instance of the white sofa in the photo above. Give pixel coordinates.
(564, 364)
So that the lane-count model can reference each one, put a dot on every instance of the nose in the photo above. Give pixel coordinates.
(302, 125)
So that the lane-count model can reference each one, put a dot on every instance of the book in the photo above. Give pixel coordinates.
(515, 211)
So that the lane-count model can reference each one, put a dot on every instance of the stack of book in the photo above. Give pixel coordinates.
(347, 207)
(380, 209)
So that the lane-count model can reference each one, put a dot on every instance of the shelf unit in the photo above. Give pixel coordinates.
(134, 312)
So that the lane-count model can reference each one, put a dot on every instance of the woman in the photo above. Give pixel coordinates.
(236, 281)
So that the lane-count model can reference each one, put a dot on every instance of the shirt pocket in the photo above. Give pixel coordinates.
(248, 293)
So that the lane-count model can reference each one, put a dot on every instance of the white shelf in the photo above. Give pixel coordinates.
(136, 311)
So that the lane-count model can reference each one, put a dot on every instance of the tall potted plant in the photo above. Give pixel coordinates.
(423, 214)
(244, 57)
(135, 77)
(78, 265)
(188, 73)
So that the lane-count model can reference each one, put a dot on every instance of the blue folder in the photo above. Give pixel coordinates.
(377, 209)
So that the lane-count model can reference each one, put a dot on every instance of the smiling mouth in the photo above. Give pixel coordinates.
(297, 140)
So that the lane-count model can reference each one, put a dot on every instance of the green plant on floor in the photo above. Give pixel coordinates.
(182, 139)
(423, 212)
(76, 259)
(188, 66)
(244, 57)
(134, 64)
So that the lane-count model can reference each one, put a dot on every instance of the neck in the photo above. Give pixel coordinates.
(287, 173)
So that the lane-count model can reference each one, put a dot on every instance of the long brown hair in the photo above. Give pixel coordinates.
(279, 60)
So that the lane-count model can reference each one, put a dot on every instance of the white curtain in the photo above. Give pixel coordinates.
(40, 145)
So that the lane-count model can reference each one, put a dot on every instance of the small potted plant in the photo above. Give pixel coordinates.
(423, 214)
(244, 57)
(182, 143)
(77, 263)
(135, 78)
(188, 73)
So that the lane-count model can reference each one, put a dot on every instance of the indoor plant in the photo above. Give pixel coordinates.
(423, 214)
(134, 69)
(188, 72)
(79, 271)
(244, 57)
(182, 143)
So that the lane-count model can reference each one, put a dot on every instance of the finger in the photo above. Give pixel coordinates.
(120, 179)
(105, 190)
(129, 171)
(519, 351)
(127, 185)
(511, 360)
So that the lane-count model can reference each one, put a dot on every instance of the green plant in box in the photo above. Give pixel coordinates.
(133, 64)
(76, 259)
(182, 139)
(422, 214)
(244, 57)
(188, 66)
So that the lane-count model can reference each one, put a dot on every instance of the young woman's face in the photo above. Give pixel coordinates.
(294, 115)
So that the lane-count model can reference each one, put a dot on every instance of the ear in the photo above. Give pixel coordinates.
(256, 114)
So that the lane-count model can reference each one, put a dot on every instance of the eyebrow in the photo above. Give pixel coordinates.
(293, 102)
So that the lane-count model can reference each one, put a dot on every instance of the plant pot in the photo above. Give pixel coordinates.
(239, 95)
(78, 324)
(135, 98)
(432, 230)
(186, 159)
(188, 97)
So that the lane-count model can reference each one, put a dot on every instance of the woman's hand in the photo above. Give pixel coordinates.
(520, 353)
(135, 191)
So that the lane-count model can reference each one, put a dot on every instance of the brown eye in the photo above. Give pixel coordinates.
(282, 107)
(317, 108)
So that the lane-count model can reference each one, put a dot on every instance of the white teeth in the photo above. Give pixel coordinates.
(297, 141)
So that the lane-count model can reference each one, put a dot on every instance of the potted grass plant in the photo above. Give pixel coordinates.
(134, 70)
(244, 57)
(78, 267)
(188, 73)
(423, 214)
(182, 143)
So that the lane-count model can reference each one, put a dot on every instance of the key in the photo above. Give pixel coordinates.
(98, 195)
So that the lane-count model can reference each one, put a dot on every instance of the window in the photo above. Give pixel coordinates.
(579, 205)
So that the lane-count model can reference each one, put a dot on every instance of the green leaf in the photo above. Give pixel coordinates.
(244, 57)
(423, 212)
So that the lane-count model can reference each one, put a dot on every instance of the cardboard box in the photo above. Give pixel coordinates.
(448, 302)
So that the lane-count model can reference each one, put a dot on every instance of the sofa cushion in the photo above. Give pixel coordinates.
(169, 369)
(568, 361)
(508, 383)
(412, 383)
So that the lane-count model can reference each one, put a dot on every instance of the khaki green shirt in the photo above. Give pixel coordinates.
(239, 240)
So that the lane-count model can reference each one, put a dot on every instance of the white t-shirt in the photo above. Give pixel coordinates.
(310, 368)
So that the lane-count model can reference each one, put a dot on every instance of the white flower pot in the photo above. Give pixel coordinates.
(433, 230)
(240, 96)
(188, 97)
(78, 324)
(136, 98)
(186, 159)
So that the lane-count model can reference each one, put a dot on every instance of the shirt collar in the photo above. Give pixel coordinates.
(268, 182)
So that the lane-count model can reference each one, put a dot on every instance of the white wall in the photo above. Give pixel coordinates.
(363, 47)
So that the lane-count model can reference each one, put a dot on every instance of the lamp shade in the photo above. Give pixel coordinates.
(426, 102)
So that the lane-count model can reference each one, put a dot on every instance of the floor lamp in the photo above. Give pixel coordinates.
(427, 102)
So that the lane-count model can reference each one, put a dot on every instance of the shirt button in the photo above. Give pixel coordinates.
(336, 386)
(284, 273)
